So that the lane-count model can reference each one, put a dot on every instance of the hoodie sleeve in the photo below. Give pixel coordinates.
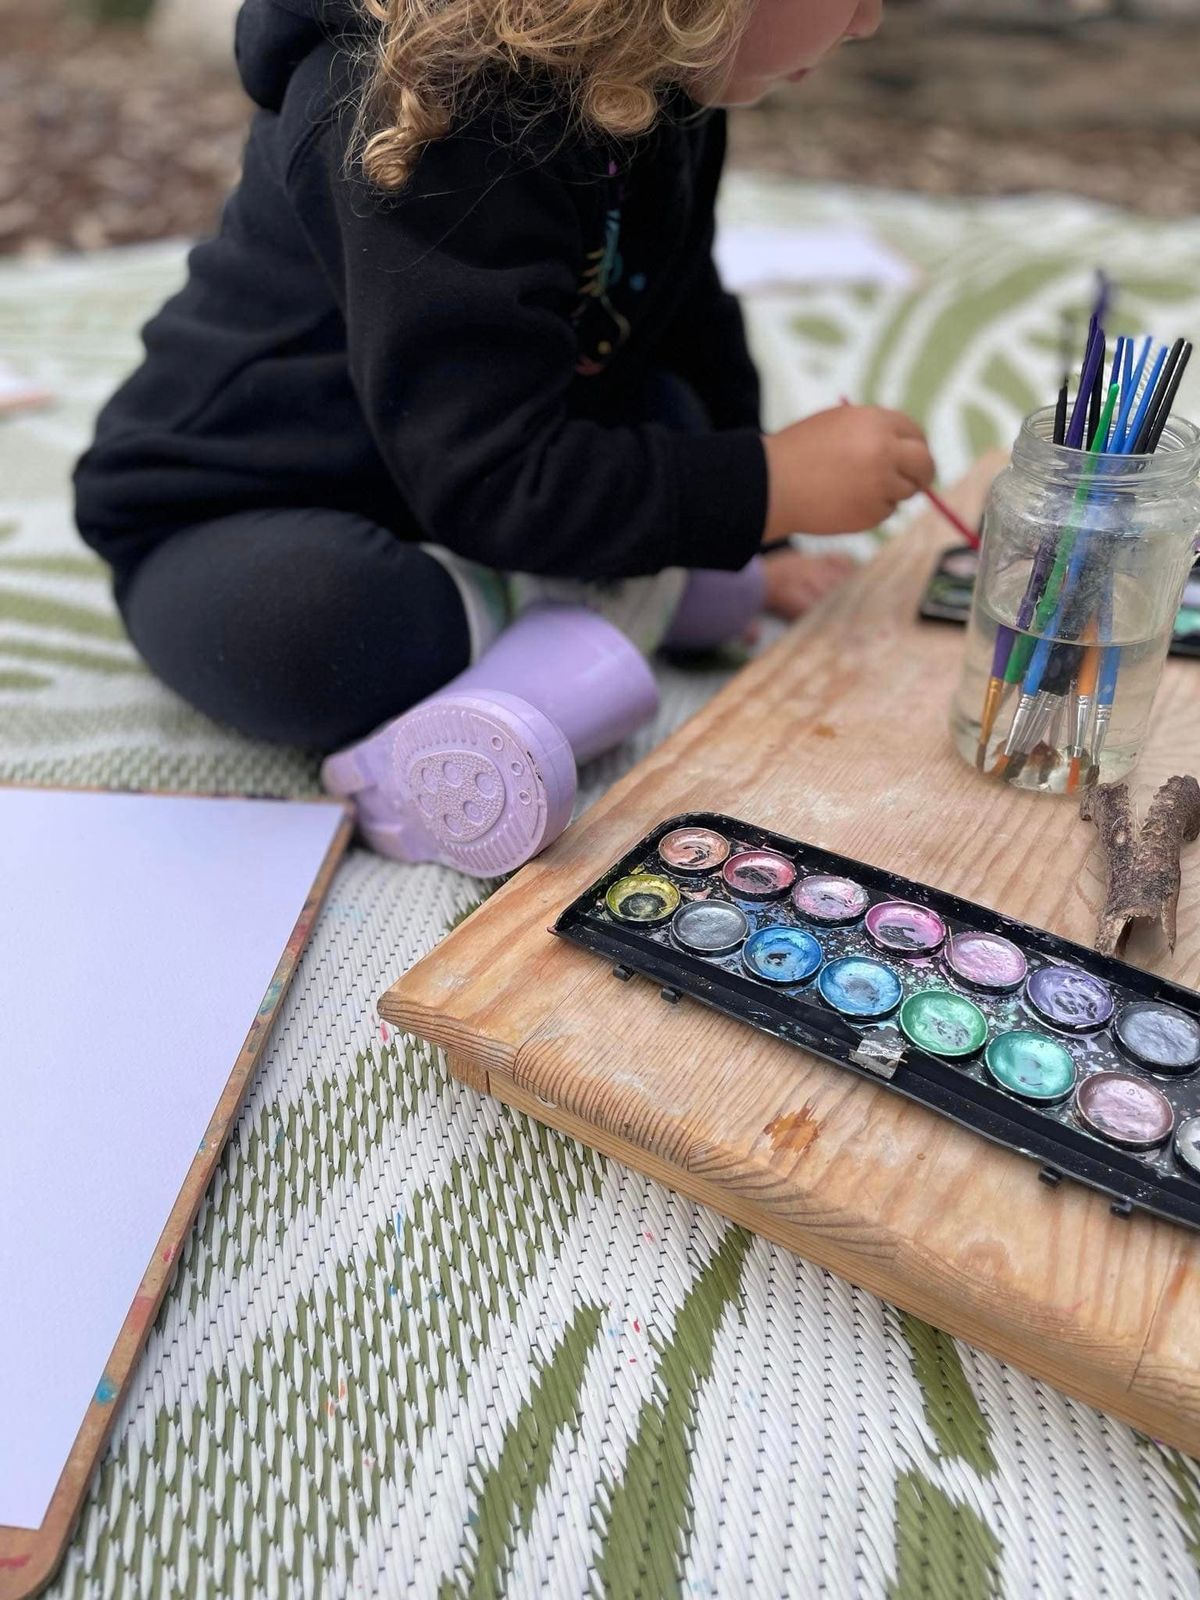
(458, 298)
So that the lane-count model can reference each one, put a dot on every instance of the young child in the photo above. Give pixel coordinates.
(452, 422)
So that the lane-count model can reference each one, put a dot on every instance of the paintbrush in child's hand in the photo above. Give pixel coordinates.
(953, 518)
(969, 534)
(935, 500)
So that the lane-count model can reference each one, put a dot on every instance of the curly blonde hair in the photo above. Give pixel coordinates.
(612, 57)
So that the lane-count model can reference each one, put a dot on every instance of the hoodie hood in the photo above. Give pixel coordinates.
(273, 37)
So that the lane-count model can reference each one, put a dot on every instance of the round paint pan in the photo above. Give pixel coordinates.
(1187, 1145)
(709, 927)
(758, 875)
(961, 564)
(905, 930)
(782, 955)
(986, 961)
(1031, 1065)
(1158, 1037)
(693, 851)
(829, 900)
(943, 1023)
(642, 898)
(1069, 998)
(859, 987)
(1124, 1110)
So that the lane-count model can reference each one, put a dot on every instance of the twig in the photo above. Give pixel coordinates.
(1143, 863)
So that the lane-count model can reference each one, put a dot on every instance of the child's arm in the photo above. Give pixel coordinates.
(843, 470)
(458, 297)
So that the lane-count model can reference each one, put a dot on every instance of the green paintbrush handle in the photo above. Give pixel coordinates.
(1024, 646)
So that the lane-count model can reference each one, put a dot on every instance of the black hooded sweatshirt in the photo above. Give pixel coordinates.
(459, 362)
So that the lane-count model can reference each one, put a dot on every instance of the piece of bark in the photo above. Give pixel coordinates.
(1142, 863)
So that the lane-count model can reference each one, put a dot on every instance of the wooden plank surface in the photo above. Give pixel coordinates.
(839, 736)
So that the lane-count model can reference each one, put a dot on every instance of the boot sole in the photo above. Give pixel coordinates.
(478, 784)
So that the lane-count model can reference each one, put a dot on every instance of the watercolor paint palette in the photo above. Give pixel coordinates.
(1087, 1065)
(951, 587)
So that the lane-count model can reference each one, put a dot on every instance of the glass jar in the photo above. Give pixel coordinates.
(1082, 567)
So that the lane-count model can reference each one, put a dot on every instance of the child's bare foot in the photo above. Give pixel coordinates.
(796, 581)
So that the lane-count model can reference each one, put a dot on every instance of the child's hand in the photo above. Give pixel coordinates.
(843, 470)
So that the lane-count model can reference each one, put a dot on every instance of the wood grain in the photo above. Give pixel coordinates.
(839, 736)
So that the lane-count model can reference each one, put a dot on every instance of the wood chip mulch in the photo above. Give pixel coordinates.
(107, 140)
(104, 140)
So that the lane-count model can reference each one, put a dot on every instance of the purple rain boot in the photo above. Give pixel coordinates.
(481, 776)
(717, 607)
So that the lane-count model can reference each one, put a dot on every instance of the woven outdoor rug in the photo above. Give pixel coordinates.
(418, 1345)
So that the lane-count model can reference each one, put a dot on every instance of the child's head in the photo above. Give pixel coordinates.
(785, 39)
(612, 57)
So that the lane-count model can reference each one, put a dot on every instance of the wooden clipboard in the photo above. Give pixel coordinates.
(29, 1558)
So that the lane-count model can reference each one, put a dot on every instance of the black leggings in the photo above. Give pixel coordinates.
(308, 626)
(300, 626)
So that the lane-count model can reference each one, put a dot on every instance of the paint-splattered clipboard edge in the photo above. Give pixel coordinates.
(29, 1557)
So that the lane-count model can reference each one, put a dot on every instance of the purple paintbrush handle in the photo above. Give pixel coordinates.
(1042, 564)
(1005, 639)
(1091, 367)
(1084, 394)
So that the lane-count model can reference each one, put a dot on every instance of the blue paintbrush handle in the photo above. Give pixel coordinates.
(1129, 438)
(1133, 376)
(1110, 663)
(1036, 670)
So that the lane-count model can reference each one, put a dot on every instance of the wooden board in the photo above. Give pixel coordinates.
(839, 736)
(29, 1557)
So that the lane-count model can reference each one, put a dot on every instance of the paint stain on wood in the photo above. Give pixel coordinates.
(794, 1131)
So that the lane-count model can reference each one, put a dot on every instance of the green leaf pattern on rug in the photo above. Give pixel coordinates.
(944, 1550)
(645, 1520)
(507, 1492)
(1185, 1480)
(951, 1409)
(41, 611)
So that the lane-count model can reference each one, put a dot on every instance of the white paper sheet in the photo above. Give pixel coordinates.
(138, 937)
(758, 258)
(18, 393)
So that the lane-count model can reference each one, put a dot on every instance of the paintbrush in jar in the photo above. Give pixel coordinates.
(1033, 710)
(997, 683)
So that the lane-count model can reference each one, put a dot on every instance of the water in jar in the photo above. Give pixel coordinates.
(1056, 727)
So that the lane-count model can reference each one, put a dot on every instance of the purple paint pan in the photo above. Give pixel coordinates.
(986, 961)
(833, 901)
(759, 875)
(904, 929)
(1124, 1110)
(1069, 998)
